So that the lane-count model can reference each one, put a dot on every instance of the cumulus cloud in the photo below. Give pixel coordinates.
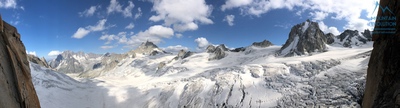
(186, 14)
(31, 52)
(116, 7)
(161, 31)
(178, 35)
(8, 4)
(139, 13)
(175, 48)
(235, 3)
(89, 12)
(229, 19)
(202, 42)
(82, 32)
(106, 47)
(347, 10)
(154, 34)
(130, 26)
(54, 53)
(327, 29)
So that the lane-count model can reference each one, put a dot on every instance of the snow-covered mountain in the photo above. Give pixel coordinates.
(252, 76)
(74, 62)
(306, 38)
(240, 79)
(350, 38)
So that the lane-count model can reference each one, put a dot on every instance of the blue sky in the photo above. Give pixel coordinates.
(50, 27)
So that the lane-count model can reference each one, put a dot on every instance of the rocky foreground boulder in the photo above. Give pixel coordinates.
(16, 88)
(383, 77)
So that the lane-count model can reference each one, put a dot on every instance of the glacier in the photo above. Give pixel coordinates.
(253, 78)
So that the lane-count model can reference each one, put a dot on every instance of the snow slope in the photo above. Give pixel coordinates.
(253, 78)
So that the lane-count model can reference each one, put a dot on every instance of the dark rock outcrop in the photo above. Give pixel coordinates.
(183, 54)
(304, 38)
(240, 49)
(383, 77)
(217, 52)
(16, 88)
(351, 37)
(367, 34)
(262, 44)
(330, 38)
(40, 61)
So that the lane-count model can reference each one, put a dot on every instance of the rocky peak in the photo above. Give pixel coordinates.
(147, 44)
(40, 61)
(304, 38)
(217, 52)
(17, 90)
(262, 44)
(367, 34)
(147, 48)
(351, 37)
(330, 38)
(183, 54)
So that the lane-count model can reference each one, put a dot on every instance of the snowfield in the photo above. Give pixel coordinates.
(253, 78)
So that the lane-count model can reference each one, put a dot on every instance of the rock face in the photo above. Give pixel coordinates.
(383, 76)
(262, 44)
(16, 88)
(304, 38)
(351, 38)
(40, 61)
(74, 62)
(147, 48)
(217, 52)
(183, 54)
(330, 38)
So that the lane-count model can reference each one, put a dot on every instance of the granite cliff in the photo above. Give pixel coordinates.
(16, 88)
(383, 75)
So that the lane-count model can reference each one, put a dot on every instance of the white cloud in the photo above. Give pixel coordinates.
(178, 35)
(82, 32)
(347, 10)
(8, 4)
(54, 53)
(327, 29)
(175, 48)
(139, 13)
(108, 38)
(106, 47)
(130, 26)
(318, 15)
(161, 31)
(186, 14)
(202, 42)
(154, 34)
(31, 52)
(229, 19)
(235, 3)
(89, 12)
(116, 7)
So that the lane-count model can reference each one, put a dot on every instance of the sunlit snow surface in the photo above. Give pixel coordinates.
(253, 78)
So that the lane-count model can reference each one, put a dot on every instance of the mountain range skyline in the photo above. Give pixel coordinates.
(48, 28)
